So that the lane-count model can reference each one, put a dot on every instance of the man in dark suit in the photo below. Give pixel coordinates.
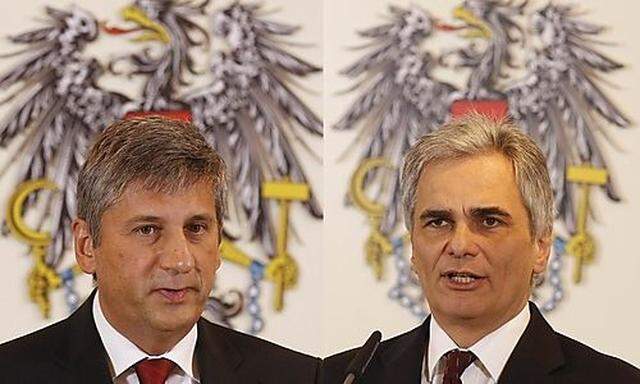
(150, 200)
(479, 208)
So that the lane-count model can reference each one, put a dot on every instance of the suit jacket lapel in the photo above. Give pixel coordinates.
(536, 355)
(218, 360)
(402, 361)
(84, 355)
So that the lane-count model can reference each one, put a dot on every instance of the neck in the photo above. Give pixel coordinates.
(465, 332)
(154, 343)
(151, 341)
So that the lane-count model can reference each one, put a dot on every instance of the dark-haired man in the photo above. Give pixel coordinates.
(150, 202)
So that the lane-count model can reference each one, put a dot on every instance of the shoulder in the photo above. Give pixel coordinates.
(582, 358)
(34, 351)
(335, 366)
(387, 346)
(34, 345)
(264, 356)
(253, 344)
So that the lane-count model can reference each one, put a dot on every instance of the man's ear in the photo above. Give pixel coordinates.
(542, 255)
(83, 246)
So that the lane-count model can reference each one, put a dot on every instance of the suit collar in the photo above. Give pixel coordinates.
(83, 353)
(537, 354)
(218, 359)
(492, 350)
(123, 353)
(401, 357)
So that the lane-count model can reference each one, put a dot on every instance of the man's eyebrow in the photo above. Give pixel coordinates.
(490, 211)
(201, 217)
(441, 213)
(144, 218)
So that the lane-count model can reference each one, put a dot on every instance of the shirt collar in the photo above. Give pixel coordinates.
(439, 344)
(123, 353)
(492, 351)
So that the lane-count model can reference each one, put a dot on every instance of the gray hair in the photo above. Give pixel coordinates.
(475, 134)
(158, 154)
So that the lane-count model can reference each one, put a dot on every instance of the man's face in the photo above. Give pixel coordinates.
(471, 241)
(157, 258)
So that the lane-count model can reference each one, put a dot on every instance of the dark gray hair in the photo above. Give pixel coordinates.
(158, 154)
(475, 134)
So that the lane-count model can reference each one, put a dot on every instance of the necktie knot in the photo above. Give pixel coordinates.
(154, 371)
(456, 361)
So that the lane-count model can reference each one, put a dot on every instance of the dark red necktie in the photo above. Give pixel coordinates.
(455, 363)
(154, 371)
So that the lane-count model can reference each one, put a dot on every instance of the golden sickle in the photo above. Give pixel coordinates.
(377, 245)
(15, 207)
(357, 187)
(42, 278)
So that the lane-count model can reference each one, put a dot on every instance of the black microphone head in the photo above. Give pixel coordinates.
(359, 363)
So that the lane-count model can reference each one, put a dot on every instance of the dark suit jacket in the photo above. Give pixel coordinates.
(540, 356)
(71, 351)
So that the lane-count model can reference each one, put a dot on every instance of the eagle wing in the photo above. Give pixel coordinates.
(399, 99)
(560, 103)
(251, 115)
(57, 108)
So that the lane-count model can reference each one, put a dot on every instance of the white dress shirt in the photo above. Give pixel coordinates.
(123, 354)
(492, 351)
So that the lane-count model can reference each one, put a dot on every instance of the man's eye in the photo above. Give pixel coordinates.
(437, 223)
(197, 228)
(146, 230)
(491, 222)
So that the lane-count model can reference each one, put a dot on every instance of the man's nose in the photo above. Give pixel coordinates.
(462, 242)
(177, 256)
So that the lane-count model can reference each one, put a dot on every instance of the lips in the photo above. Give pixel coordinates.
(462, 280)
(174, 296)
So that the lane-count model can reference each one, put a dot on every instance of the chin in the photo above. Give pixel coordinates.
(462, 308)
(464, 312)
(176, 319)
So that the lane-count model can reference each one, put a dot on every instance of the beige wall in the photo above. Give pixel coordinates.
(338, 302)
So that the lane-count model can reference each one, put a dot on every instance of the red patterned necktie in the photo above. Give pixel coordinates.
(154, 371)
(455, 363)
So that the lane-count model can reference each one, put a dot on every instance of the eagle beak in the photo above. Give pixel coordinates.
(476, 27)
(152, 30)
(441, 26)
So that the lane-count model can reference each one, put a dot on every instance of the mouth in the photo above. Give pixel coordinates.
(462, 280)
(173, 296)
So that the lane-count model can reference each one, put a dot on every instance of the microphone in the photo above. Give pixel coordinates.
(359, 363)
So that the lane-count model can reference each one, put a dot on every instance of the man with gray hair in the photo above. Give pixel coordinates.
(151, 200)
(479, 208)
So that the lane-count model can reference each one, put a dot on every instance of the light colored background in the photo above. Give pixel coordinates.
(338, 303)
